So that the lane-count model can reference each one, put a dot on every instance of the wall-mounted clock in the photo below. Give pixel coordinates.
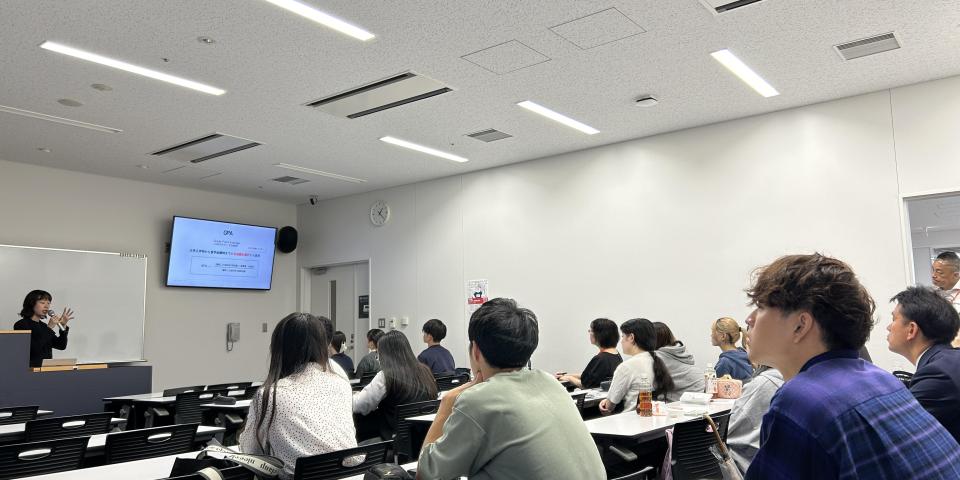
(379, 213)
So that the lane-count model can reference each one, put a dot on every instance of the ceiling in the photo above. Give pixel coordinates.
(272, 62)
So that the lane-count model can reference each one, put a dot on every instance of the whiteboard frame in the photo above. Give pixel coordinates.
(146, 263)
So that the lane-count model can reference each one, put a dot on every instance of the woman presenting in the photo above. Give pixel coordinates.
(43, 335)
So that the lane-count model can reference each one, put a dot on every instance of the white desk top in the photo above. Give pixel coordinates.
(240, 405)
(156, 397)
(630, 425)
(14, 429)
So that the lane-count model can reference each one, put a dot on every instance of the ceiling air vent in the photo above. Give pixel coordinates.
(723, 6)
(868, 46)
(489, 135)
(205, 148)
(382, 95)
(290, 180)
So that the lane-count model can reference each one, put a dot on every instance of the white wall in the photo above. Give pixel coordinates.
(185, 328)
(667, 227)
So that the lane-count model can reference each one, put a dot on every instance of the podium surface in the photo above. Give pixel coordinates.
(66, 392)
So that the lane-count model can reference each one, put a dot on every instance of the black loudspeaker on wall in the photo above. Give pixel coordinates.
(287, 239)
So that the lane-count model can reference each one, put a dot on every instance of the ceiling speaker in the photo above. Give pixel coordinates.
(287, 239)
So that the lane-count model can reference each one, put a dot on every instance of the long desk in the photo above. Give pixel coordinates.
(7, 432)
(630, 426)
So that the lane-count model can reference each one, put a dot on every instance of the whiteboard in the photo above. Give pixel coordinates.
(107, 292)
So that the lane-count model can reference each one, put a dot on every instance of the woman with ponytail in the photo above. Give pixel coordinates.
(639, 340)
(733, 360)
(303, 407)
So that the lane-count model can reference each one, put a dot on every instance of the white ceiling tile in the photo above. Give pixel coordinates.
(601, 28)
(506, 57)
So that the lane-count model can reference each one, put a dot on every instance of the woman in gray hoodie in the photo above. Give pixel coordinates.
(679, 362)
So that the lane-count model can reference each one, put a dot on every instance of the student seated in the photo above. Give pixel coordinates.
(303, 408)
(335, 367)
(733, 361)
(370, 363)
(603, 335)
(439, 359)
(923, 326)
(508, 423)
(743, 433)
(402, 379)
(679, 362)
(639, 340)
(836, 416)
(336, 345)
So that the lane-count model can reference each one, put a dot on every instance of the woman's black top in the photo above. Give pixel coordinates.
(42, 339)
(600, 369)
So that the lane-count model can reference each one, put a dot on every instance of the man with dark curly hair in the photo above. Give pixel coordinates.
(837, 416)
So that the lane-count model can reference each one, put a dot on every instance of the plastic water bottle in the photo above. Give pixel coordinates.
(710, 380)
(645, 397)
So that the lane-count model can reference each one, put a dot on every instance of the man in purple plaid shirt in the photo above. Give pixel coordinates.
(837, 416)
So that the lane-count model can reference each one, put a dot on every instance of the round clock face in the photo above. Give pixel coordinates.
(380, 213)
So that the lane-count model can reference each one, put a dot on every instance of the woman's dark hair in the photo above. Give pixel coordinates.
(506, 334)
(645, 336)
(605, 332)
(404, 376)
(31, 300)
(436, 329)
(339, 338)
(935, 316)
(374, 335)
(825, 287)
(297, 341)
(665, 336)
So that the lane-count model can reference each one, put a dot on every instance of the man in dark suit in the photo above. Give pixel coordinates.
(924, 323)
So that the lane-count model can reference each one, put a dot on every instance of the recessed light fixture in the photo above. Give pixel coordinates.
(206, 40)
(312, 171)
(69, 102)
(423, 149)
(44, 150)
(101, 87)
(646, 101)
(558, 117)
(143, 167)
(745, 73)
(127, 67)
(60, 120)
(324, 19)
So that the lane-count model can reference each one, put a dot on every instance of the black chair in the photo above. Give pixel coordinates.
(904, 377)
(173, 392)
(690, 455)
(579, 400)
(331, 466)
(38, 458)
(229, 386)
(402, 440)
(644, 474)
(149, 442)
(187, 407)
(64, 427)
(366, 378)
(462, 370)
(452, 381)
(22, 414)
(238, 472)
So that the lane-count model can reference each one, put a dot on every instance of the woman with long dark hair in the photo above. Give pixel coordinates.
(44, 335)
(402, 379)
(679, 362)
(303, 408)
(638, 339)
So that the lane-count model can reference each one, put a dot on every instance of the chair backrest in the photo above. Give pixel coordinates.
(690, 454)
(230, 386)
(366, 378)
(579, 399)
(452, 381)
(242, 393)
(173, 392)
(238, 472)
(402, 439)
(149, 442)
(22, 414)
(64, 427)
(187, 407)
(344, 463)
(38, 458)
(904, 377)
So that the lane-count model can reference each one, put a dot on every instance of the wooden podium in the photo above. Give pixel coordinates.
(68, 390)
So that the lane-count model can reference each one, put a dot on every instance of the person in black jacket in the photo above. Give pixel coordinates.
(43, 335)
(923, 325)
(604, 334)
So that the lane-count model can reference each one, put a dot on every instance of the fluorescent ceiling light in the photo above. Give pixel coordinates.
(298, 168)
(324, 19)
(745, 73)
(422, 149)
(146, 72)
(60, 120)
(557, 117)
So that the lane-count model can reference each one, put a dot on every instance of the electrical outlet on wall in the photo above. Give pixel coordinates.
(404, 321)
(264, 327)
(392, 323)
